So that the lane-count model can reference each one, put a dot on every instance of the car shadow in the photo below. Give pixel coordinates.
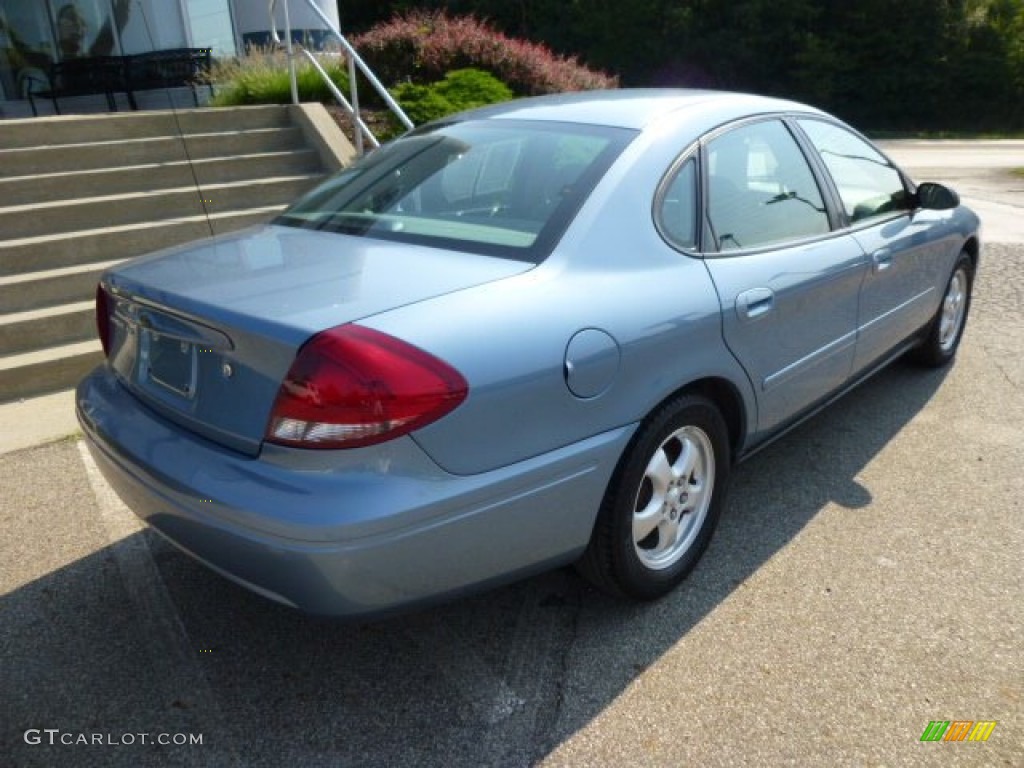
(500, 678)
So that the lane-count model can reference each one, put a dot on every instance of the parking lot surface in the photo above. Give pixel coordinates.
(865, 580)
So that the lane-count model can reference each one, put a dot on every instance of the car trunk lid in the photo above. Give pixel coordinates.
(205, 333)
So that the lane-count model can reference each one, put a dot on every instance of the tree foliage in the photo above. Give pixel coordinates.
(883, 64)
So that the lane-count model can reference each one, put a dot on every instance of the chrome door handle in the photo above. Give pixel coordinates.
(754, 303)
(881, 259)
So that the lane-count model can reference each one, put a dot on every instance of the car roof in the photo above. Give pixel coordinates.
(634, 108)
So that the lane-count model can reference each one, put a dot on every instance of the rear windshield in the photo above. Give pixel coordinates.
(497, 187)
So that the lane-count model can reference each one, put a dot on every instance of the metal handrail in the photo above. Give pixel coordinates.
(354, 61)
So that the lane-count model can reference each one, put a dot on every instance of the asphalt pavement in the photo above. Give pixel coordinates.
(865, 580)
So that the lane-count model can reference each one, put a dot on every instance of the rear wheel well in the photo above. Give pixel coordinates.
(725, 396)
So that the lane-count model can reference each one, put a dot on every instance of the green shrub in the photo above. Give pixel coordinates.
(459, 90)
(423, 45)
(262, 78)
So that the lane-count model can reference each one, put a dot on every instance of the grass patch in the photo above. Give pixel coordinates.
(1018, 172)
(261, 77)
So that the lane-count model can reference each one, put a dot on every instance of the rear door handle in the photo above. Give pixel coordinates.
(881, 259)
(754, 303)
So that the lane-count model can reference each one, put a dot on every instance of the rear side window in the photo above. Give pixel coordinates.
(498, 187)
(761, 189)
(868, 184)
(677, 211)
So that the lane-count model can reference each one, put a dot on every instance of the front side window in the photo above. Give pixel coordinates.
(498, 187)
(760, 188)
(868, 184)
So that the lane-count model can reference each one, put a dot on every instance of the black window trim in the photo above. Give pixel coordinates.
(847, 225)
(713, 251)
(839, 222)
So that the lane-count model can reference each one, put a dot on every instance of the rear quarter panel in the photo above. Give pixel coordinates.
(613, 272)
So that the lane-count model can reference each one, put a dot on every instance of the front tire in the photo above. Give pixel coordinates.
(663, 502)
(945, 331)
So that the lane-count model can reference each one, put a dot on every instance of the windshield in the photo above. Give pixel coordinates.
(497, 187)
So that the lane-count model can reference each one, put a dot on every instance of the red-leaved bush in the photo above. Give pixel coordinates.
(421, 46)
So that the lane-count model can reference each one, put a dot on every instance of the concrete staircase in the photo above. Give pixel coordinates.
(80, 194)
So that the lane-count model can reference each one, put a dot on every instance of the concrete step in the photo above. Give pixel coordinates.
(216, 119)
(23, 291)
(48, 288)
(84, 129)
(21, 221)
(33, 161)
(37, 420)
(66, 185)
(80, 194)
(65, 249)
(85, 246)
(47, 327)
(47, 370)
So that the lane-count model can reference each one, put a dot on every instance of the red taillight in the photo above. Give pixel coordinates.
(351, 386)
(103, 318)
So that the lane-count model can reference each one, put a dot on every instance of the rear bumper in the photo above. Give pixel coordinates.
(345, 533)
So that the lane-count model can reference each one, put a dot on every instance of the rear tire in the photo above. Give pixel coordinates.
(946, 329)
(663, 502)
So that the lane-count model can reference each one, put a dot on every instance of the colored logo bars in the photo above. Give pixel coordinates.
(958, 730)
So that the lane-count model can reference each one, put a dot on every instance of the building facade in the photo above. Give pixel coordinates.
(36, 33)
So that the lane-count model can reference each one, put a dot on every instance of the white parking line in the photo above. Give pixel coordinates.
(172, 654)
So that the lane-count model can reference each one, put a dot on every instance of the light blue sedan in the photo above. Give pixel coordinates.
(522, 337)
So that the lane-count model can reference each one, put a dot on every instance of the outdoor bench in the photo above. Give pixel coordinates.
(109, 75)
(82, 77)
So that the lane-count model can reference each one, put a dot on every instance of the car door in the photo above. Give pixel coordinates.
(788, 284)
(899, 294)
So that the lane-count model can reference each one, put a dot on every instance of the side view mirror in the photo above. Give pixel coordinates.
(936, 197)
